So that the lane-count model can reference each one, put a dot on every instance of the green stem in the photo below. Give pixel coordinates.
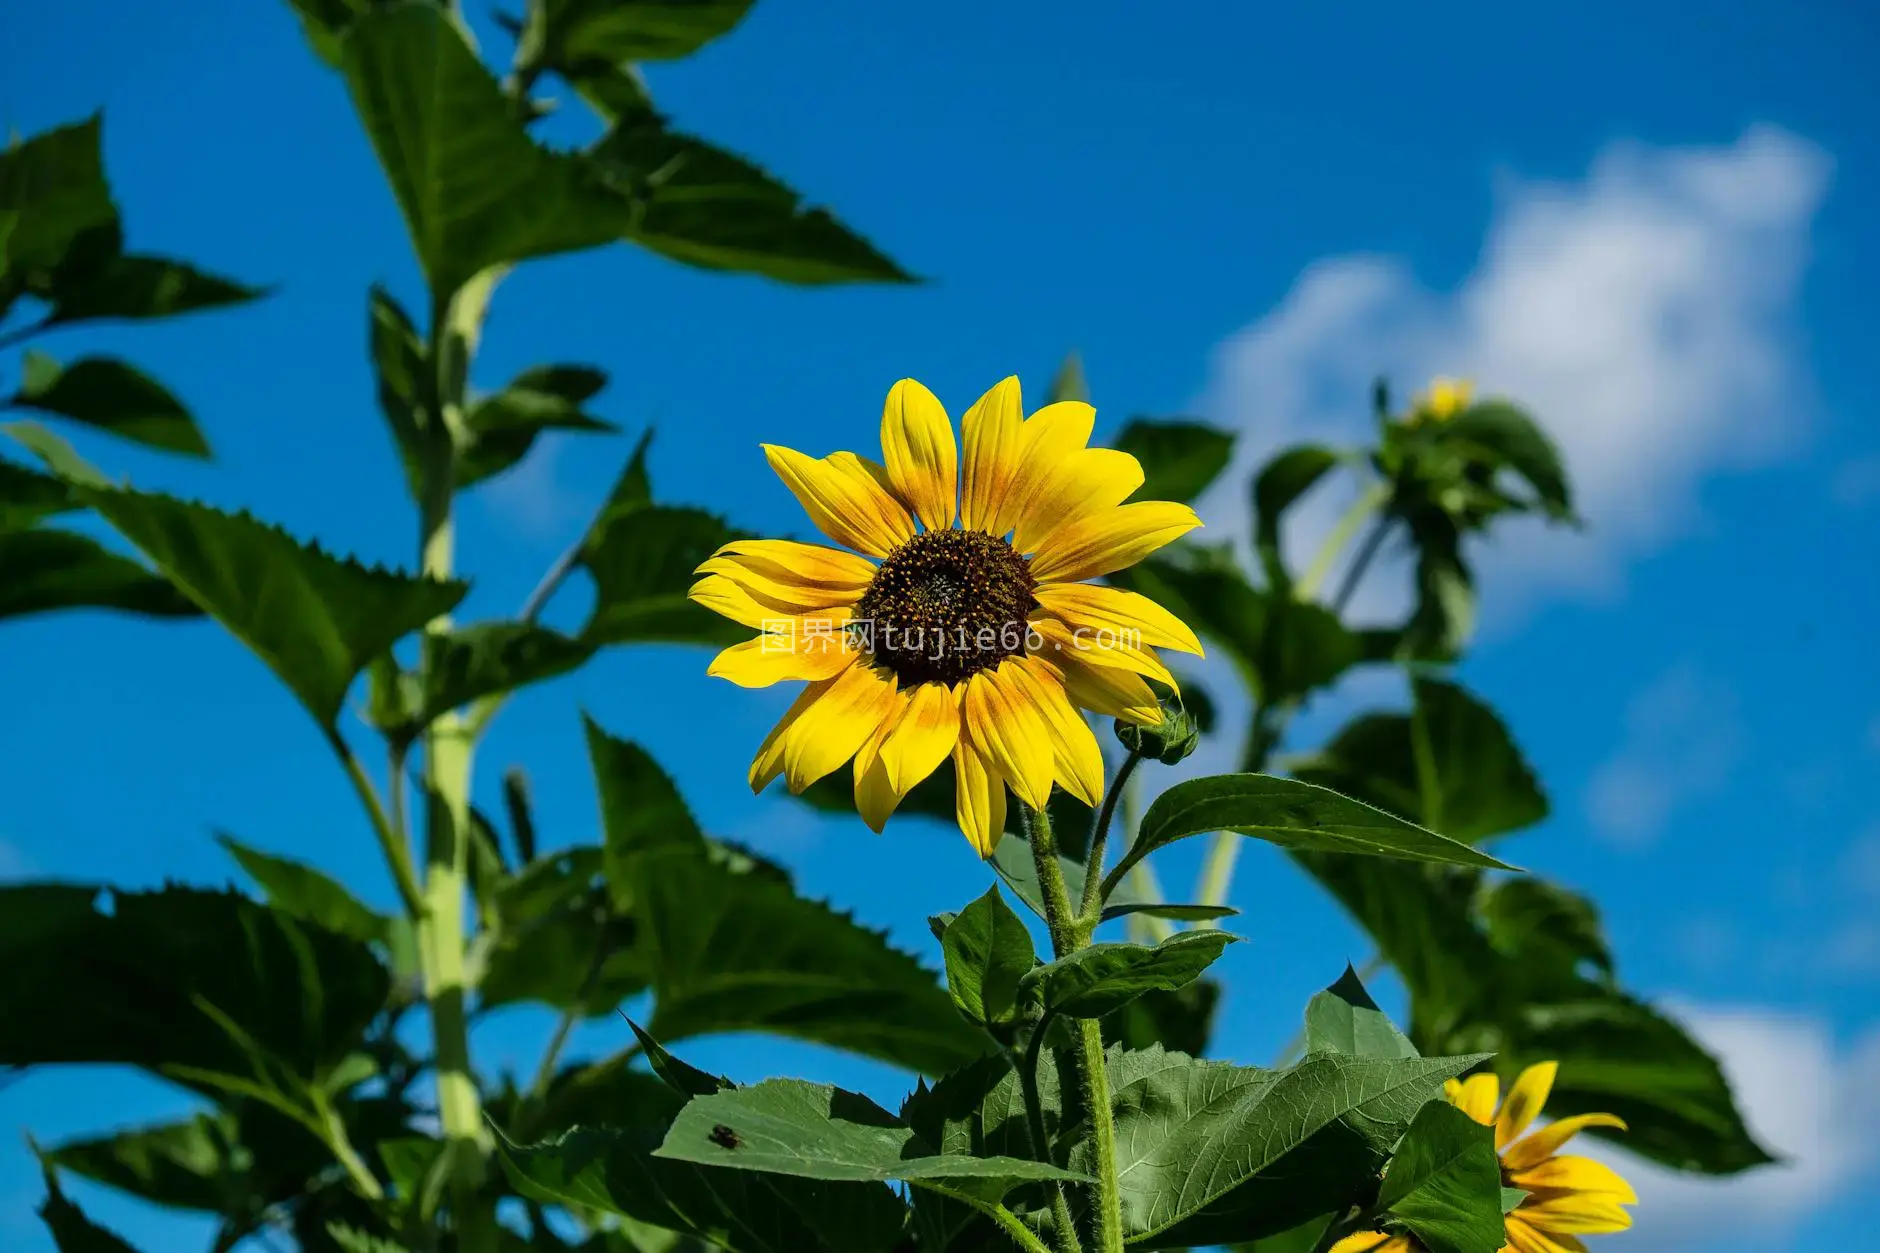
(1340, 535)
(1068, 935)
(1013, 1226)
(1027, 1067)
(1092, 911)
(391, 836)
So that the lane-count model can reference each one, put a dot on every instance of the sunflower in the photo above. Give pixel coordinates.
(1444, 399)
(1567, 1197)
(954, 621)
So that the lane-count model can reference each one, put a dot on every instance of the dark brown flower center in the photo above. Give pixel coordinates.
(946, 605)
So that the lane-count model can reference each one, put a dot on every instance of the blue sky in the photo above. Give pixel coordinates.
(1656, 231)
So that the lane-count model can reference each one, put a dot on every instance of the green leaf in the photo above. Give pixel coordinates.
(182, 1165)
(48, 570)
(71, 1231)
(1069, 382)
(55, 184)
(108, 394)
(1280, 483)
(698, 204)
(1511, 1199)
(560, 941)
(1178, 913)
(1482, 785)
(1444, 1182)
(490, 658)
(642, 567)
(315, 619)
(138, 287)
(26, 496)
(475, 190)
(402, 367)
(307, 893)
(1181, 1021)
(1101, 978)
(681, 1077)
(503, 427)
(1540, 923)
(1344, 1019)
(988, 951)
(171, 959)
(612, 31)
(1189, 1133)
(1508, 437)
(1293, 815)
(1444, 617)
(729, 946)
(812, 1131)
(1179, 459)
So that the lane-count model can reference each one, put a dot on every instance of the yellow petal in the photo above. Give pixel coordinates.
(755, 609)
(922, 458)
(1076, 759)
(1371, 1242)
(1578, 1174)
(992, 430)
(1048, 442)
(1588, 1213)
(979, 798)
(1099, 609)
(1082, 482)
(1524, 1102)
(772, 659)
(1101, 651)
(805, 565)
(830, 731)
(1525, 1239)
(1113, 693)
(1475, 1096)
(846, 499)
(767, 587)
(1111, 540)
(928, 729)
(875, 797)
(768, 763)
(1543, 1144)
(1010, 730)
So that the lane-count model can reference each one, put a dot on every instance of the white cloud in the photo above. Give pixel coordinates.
(1644, 313)
(1684, 734)
(1809, 1100)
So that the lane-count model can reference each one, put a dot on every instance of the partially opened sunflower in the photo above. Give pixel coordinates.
(1567, 1197)
(957, 623)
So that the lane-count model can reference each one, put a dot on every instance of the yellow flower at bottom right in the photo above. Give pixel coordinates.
(1568, 1197)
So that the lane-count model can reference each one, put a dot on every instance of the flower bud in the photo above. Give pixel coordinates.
(1168, 742)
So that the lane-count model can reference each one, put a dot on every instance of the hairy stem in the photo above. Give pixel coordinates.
(1068, 935)
(1027, 1067)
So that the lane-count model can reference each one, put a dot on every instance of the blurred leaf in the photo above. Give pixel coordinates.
(987, 951)
(1280, 483)
(26, 496)
(1181, 1020)
(307, 893)
(1344, 1019)
(642, 567)
(1069, 382)
(315, 619)
(1179, 913)
(1179, 459)
(71, 1231)
(182, 1165)
(48, 570)
(475, 190)
(489, 658)
(299, 992)
(108, 394)
(1507, 436)
(139, 287)
(54, 183)
(1542, 924)
(1101, 978)
(701, 205)
(812, 1131)
(612, 31)
(682, 1077)
(1483, 785)
(406, 384)
(730, 949)
(1444, 617)
(560, 941)
(504, 426)
(1189, 1133)
(1444, 1182)
(1293, 815)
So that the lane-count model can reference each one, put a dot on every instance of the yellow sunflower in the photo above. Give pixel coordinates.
(957, 624)
(1567, 1197)
(1444, 399)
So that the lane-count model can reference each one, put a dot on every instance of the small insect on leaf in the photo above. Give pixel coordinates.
(724, 1137)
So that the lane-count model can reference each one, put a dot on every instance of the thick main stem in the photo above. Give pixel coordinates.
(448, 748)
(1069, 934)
